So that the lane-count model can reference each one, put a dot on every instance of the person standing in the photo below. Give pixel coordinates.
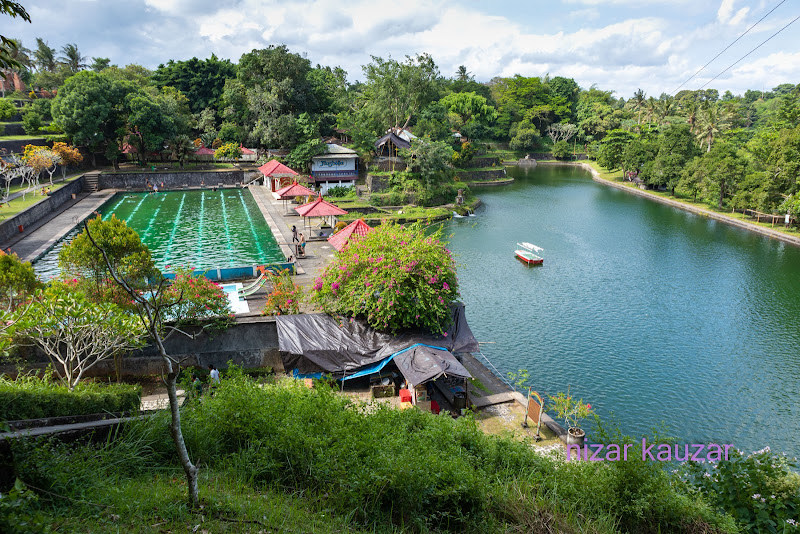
(213, 375)
(294, 234)
(301, 247)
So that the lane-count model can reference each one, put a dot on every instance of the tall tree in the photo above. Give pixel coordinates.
(44, 56)
(202, 81)
(712, 120)
(462, 75)
(72, 58)
(99, 64)
(676, 148)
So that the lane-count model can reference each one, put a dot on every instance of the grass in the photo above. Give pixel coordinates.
(22, 137)
(409, 213)
(18, 205)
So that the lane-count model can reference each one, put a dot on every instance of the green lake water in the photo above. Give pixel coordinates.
(648, 312)
(201, 229)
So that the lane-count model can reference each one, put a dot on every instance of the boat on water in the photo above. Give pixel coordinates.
(526, 254)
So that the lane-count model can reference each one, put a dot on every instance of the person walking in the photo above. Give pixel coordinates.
(213, 375)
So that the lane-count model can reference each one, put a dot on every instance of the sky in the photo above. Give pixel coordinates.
(618, 45)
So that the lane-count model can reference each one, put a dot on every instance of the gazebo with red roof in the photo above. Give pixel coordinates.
(356, 228)
(319, 208)
(291, 191)
(276, 172)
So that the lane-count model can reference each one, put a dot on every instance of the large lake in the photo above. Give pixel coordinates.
(643, 310)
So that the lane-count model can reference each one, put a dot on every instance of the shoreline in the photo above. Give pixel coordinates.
(703, 212)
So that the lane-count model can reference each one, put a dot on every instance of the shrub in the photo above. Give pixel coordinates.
(31, 122)
(561, 150)
(395, 277)
(759, 490)
(31, 397)
(7, 109)
(285, 297)
(339, 191)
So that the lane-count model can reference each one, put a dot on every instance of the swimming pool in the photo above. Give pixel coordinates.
(203, 229)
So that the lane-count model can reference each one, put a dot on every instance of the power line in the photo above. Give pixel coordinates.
(750, 52)
(727, 47)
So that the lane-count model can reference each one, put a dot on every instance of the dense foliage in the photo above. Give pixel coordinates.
(380, 468)
(395, 277)
(285, 297)
(32, 397)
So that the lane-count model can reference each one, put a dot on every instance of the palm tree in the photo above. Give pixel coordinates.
(19, 55)
(664, 108)
(691, 108)
(650, 109)
(72, 58)
(462, 75)
(181, 147)
(638, 103)
(713, 120)
(44, 56)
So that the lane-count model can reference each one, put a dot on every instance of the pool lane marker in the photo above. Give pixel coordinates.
(175, 225)
(146, 232)
(252, 227)
(144, 197)
(199, 252)
(110, 213)
(227, 228)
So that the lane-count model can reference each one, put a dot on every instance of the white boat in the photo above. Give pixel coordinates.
(526, 254)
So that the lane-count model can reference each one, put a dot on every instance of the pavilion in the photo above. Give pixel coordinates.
(291, 191)
(276, 174)
(341, 238)
(322, 209)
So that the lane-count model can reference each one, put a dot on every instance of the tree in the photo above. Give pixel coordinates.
(612, 147)
(432, 159)
(717, 172)
(155, 304)
(76, 333)
(676, 148)
(82, 261)
(90, 109)
(395, 92)
(310, 144)
(712, 121)
(69, 156)
(561, 132)
(202, 81)
(637, 104)
(8, 46)
(17, 281)
(31, 122)
(42, 158)
(72, 58)
(149, 124)
(7, 109)
(467, 109)
(395, 277)
(462, 75)
(181, 148)
(100, 64)
(44, 56)
(561, 150)
(228, 151)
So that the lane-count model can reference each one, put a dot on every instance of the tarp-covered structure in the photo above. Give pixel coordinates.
(319, 343)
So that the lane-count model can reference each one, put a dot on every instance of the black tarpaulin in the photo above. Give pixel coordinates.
(313, 343)
(420, 364)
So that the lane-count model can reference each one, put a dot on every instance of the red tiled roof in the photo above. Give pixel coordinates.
(246, 151)
(319, 208)
(275, 168)
(203, 151)
(342, 237)
(294, 190)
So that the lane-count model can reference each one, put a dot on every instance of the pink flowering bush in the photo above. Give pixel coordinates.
(285, 297)
(395, 277)
(200, 298)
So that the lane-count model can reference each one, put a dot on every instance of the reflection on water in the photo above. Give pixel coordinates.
(649, 312)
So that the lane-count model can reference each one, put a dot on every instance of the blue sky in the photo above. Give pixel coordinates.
(618, 45)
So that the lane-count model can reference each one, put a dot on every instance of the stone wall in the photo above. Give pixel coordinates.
(48, 205)
(251, 342)
(13, 129)
(479, 176)
(174, 180)
(478, 163)
(377, 184)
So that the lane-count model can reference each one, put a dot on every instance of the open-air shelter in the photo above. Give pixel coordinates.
(341, 238)
(291, 191)
(277, 175)
(322, 209)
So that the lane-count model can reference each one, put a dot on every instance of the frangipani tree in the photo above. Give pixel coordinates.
(75, 333)
(69, 156)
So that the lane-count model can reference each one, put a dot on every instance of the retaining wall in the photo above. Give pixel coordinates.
(17, 147)
(477, 176)
(174, 180)
(48, 205)
(251, 342)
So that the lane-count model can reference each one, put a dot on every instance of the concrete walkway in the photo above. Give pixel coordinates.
(38, 241)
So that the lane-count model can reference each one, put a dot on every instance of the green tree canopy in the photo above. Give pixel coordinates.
(202, 81)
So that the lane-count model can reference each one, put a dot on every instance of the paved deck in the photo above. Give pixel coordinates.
(38, 241)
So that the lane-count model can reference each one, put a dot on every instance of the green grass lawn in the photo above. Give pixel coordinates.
(21, 137)
(13, 207)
